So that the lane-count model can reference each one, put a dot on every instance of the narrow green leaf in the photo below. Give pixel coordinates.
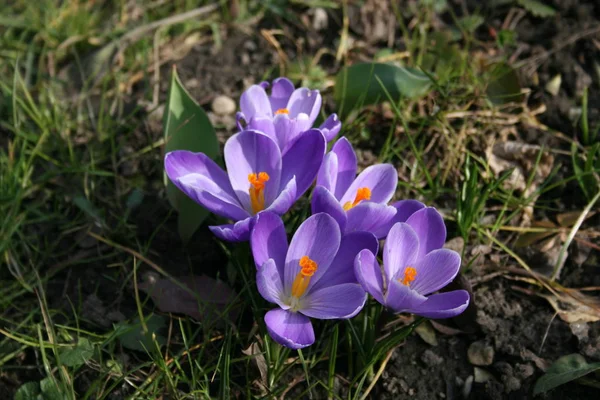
(186, 127)
(358, 84)
(565, 369)
(537, 8)
(133, 336)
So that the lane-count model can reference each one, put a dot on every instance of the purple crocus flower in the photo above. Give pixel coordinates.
(414, 266)
(358, 203)
(312, 278)
(258, 178)
(286, 113)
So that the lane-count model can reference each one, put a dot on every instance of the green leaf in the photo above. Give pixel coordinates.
(564, 370)
(504, 86)
(78, 355)
(537, 8)
(186, 127)
(470, 23)
(49, 390)
(29, 391)
(359, 84)
(133, 336)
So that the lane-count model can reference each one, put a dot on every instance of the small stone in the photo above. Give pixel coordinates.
(223, 105)
(320, 19)
(511, 383)
(431, 359)
(481, 375)
(480, 353)
(524, 371)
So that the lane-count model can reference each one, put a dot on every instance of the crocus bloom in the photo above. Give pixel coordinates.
(258, 178)
(357, 203)
(414, 266)
(313, 277)
(286, 113)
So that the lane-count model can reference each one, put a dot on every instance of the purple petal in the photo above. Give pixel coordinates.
(369, 275)
(286, 198)
(400, 250)
(443, 305)
(342, 267)
(323, 201)
(331, 302)
(430, 228)
(250, 152)
(289, 129)
(303, 160)
(238, 232)
(318, 238)
(305, 101)
(290, 329)
(264, 125)
(339, 169)
(381, 179)
(268, 240)
(281, 91)
(269, 283)
(434, 271)
(401, 298)
(205, 182)
(254, 102)
(370, 217)
(406, 208)
(331, 127)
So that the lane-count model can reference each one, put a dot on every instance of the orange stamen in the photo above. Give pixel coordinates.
(257, 190)
(410, 274)
(363, 193)
(282, 111)
(308, 268)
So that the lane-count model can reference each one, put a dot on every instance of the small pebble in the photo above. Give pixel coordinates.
(223, 105)
(480, 353)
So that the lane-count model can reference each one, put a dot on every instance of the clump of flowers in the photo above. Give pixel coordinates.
(330, 266)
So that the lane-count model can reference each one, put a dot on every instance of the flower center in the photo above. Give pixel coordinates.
(308, 268)
(282, 111)
(363, 193)
(410, 274)
(257, 190)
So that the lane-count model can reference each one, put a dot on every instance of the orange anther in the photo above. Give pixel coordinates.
(410, 274)
(282, 111)
(363, 193)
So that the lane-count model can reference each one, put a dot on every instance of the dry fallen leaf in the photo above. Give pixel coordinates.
(205, 298)
(258, 357)
(571, 305)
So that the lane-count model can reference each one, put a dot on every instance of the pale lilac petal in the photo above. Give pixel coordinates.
(443, 305)
(434, 271)
(401, 298)
(332, 302)
(406, 208)
(369, 274)
(268, 240)
(318, 238)
(206, 192)
(430, 228)
(238, 232)
(303, 160)
(250, 152)
(323, 201)
(400, 250)
(281, 91)
(289, 329)
(338, 170)
(254, 102)
(327, 175)
(370, 217)
(381, 179)
(298, 127)
(264, 125)
(286, 198)
(305, 101)
(269, 283)
(282, 125)
(342, 267)
(331, 127)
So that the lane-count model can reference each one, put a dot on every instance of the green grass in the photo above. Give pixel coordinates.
(63, 128)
